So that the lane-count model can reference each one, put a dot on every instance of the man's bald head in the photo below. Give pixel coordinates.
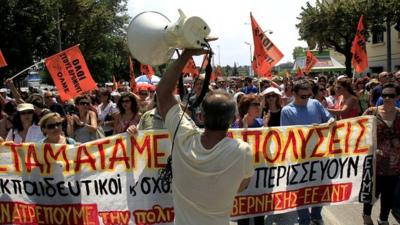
(219, 111)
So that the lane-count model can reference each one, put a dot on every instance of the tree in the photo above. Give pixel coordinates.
(333, 25)
(296, 51)
(29, 31)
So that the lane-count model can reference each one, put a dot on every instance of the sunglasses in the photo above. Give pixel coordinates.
(305, 96)
(53, 125)
(255, 104)
(270, 96)
(143, 93)
(388, 96)
(26, 113)
(83, 103)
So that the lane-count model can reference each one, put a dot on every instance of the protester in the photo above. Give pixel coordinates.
(106, 111)
(248, 86)
(205, 158)
(305, 111)
(320, 94)
(193, 109)
(51, 125)
(249, 111)
(82, 126)
(362, 94)
(287, 96)
(6, 123)
(128, 113)
(388, 152)
(272, 107)
(52, 104)
(349, 105)
(377, 91)
(25, 128)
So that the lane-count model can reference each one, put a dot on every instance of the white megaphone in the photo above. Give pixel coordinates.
(152, 38)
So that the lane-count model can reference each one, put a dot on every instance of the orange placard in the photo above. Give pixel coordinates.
(311, 60)
(358, 49)
(266, 54)
(191, 68)
(70, 73)
(3, 62)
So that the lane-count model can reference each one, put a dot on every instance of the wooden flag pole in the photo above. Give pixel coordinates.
(28, 68)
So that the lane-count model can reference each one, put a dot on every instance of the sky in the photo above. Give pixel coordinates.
(230, 21)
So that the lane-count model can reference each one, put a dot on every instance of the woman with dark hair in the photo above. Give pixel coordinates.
(128, 113)
(82, 126)
(387, 153)
(24, 125)
(272, 106)
(362, 93)
(51, 125)
(106, 111)
(349, 106)
(320, 93)
(249, 111)
(287, 95)
(6, 123)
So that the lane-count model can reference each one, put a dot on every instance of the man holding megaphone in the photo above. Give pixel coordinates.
(208, 167)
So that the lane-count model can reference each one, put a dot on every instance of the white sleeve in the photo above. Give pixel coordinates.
(9, 135)
(248, 162)
(186, 126)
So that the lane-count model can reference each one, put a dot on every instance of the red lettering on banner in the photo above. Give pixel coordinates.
(304, 141)
(32, 159)
(347, 137)
(265, 146)
(291, 141)
(256, 147)
(158, 154)
(100, 148)
(80, 160)
(119, 144)
(115, 217)
(279, 201)
(321, 138)
(15, 156)
(48, 152)
(140, 149)
(155, 215)
(333, 140)
(361, 122)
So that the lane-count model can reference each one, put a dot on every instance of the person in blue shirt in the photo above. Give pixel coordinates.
(305, 111)
(248, 86)
(380, 102)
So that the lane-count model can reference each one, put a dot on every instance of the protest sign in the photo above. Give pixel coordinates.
(115, 180)
(70, 73)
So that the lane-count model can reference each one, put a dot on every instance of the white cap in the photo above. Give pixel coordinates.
(341, 77)
(272, 90)
(24, 107)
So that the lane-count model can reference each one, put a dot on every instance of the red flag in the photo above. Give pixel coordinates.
(299, 72)
(116, 84)
(360, 58)
(191, 68)
(266, 54)
(3, 62)
(70, 73)
(310, 62)
(148, 70)
(132, 81)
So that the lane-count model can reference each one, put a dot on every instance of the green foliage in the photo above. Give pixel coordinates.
(334, 25)
(29, 30)
(297, 51)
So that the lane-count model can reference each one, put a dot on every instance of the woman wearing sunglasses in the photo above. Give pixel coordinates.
(24, 125)
(272, 106)
(349, 105)
(387, 153)
(51, 125)
(128, 113)
(82, 126)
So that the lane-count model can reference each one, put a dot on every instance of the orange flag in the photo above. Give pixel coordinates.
(3, 62)
(360, 58)
(147, 69)
(266, 54)
(191, 68)
(116, 84)
(70, 73)
(299, 72)
(310, 62)
(132, 81)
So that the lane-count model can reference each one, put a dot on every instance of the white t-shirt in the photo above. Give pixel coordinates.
(205, 182)
(111, 109)
(34, 135)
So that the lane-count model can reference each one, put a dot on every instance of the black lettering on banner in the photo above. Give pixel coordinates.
(366, 188)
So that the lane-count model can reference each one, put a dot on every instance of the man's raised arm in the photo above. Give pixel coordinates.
(166, 87)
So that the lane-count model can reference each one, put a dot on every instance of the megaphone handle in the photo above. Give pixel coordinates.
(206, 82)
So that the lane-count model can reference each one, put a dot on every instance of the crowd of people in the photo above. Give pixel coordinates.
(40, 116)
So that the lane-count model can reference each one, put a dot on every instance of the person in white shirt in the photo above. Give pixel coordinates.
(25, 128)
(106, 112)
(208, 168)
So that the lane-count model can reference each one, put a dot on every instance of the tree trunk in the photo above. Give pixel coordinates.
(348, 57)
